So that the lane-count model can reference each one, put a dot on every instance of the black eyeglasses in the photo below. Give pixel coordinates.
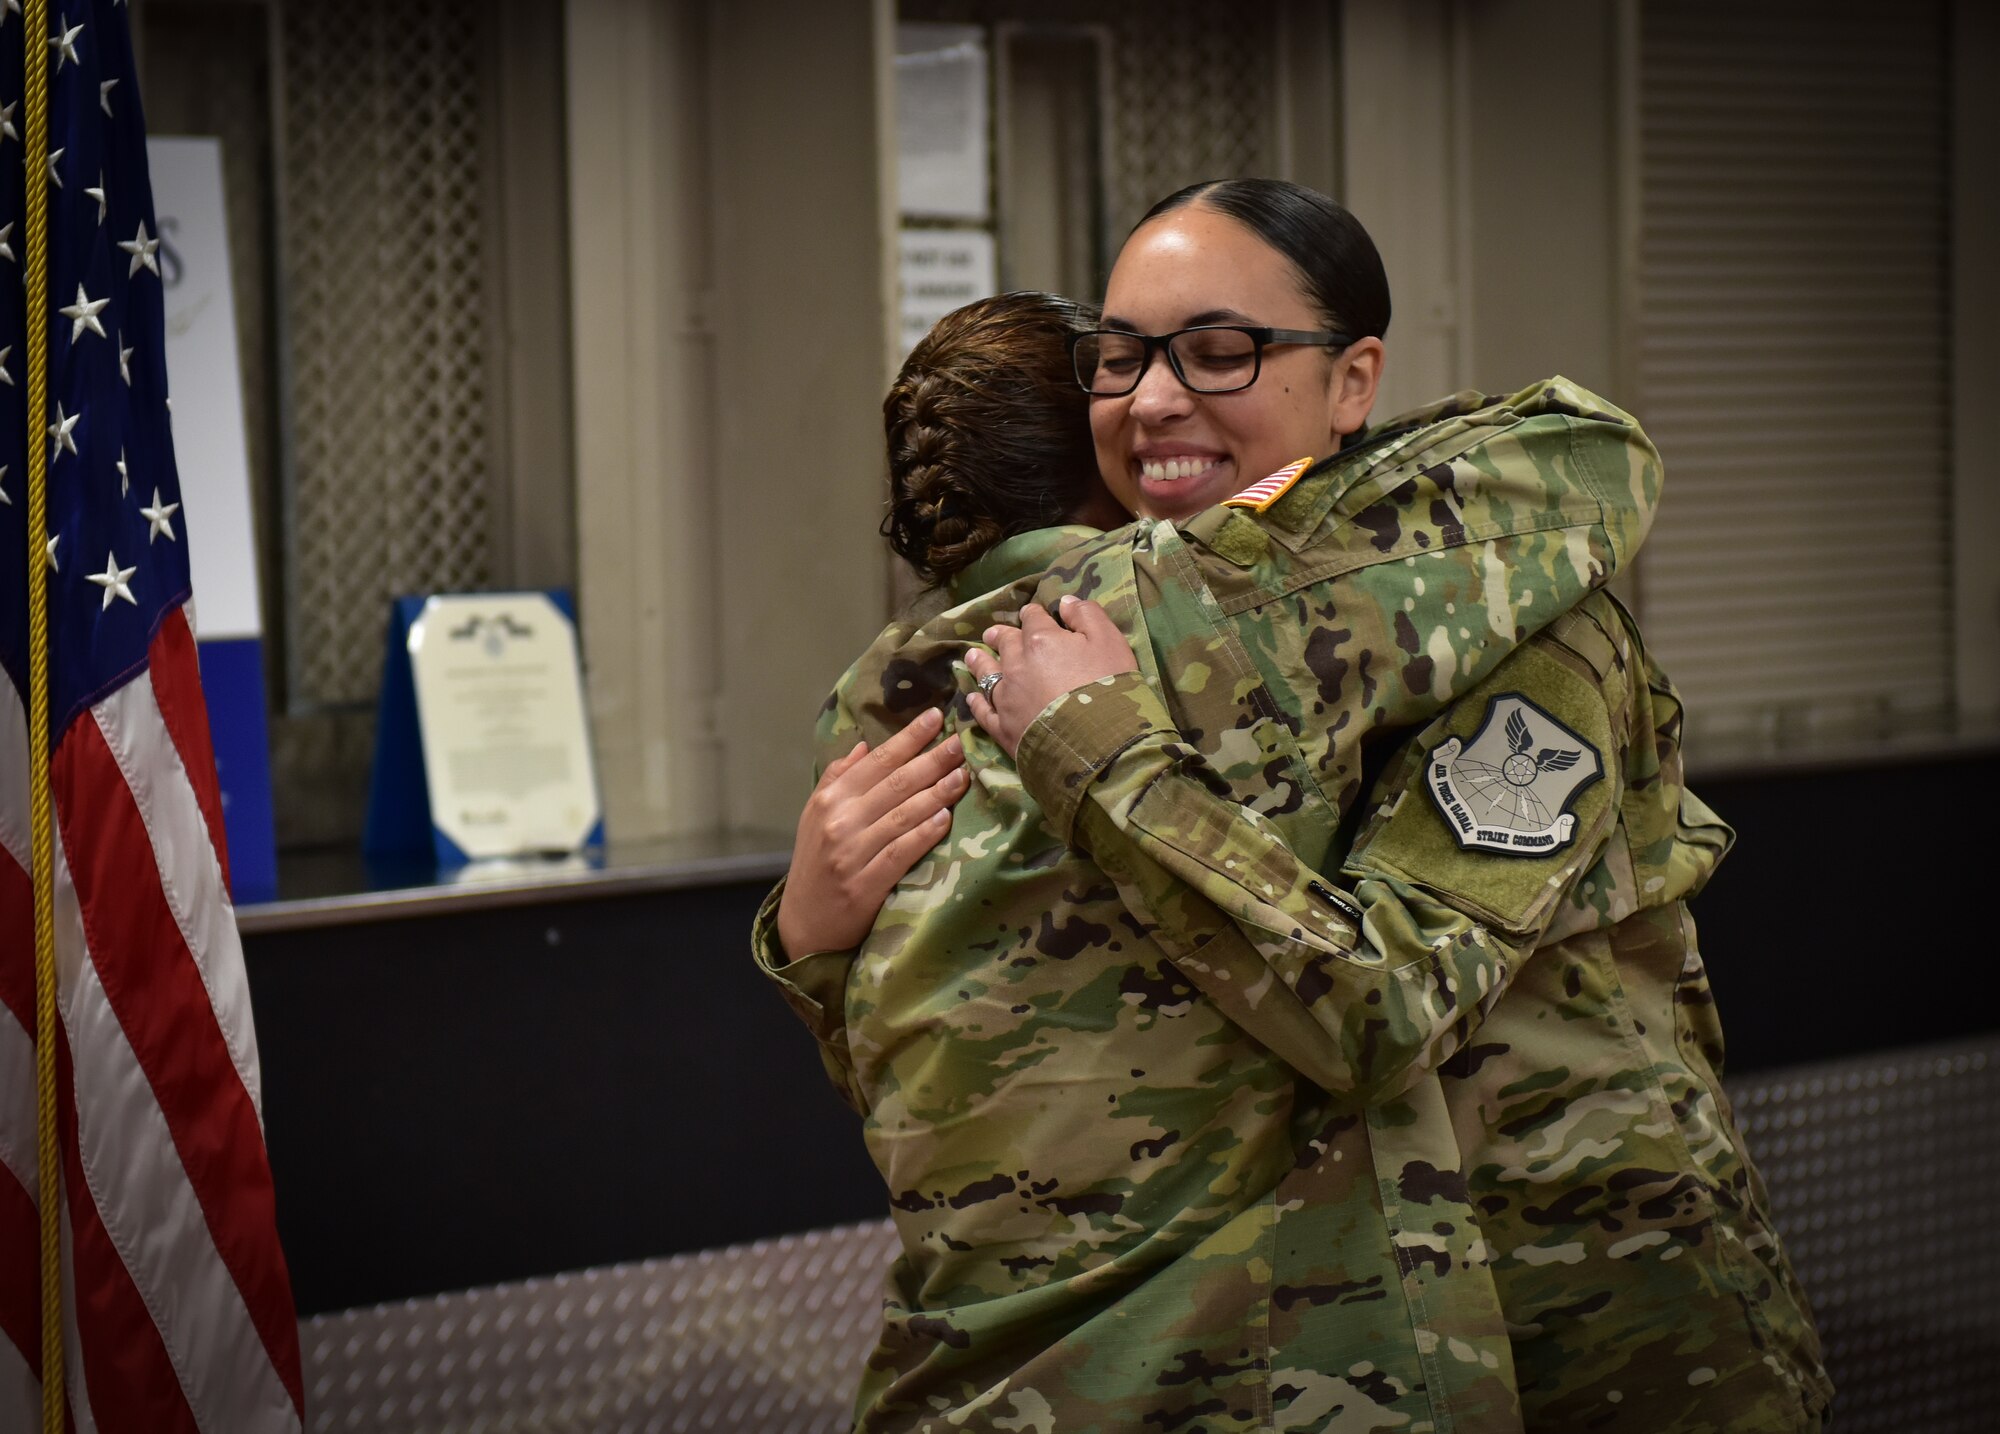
(1212, 358)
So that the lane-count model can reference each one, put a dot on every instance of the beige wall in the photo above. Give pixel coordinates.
(1480, 146)
(1402, 136)
(804, 246)
(1541, 186)
(1309, 93)
(728, 285)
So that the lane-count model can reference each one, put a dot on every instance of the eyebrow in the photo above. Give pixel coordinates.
(1206, 316)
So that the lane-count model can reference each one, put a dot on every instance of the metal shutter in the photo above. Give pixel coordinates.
(1792, 352)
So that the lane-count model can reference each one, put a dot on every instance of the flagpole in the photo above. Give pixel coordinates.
(48, 1191)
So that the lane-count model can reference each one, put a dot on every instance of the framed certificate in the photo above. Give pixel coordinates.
(484, 743)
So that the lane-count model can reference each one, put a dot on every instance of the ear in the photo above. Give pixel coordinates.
(1356, 376)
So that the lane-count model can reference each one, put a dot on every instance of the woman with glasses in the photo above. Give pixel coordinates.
(1165, 1133)
(1279, 363)
(980, 385)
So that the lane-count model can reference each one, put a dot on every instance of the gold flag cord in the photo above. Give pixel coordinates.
(48, 1169)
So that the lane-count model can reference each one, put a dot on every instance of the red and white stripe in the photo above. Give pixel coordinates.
(177, 1301)
(1266, 491)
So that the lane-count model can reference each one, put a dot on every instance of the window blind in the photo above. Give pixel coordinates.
(1792, 348)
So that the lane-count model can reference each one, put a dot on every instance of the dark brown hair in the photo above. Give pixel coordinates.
(989, 433)
(1337, 263)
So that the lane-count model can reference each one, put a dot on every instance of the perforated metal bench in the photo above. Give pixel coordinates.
(1883, 1173)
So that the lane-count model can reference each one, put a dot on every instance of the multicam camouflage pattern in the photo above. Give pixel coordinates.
(1267, 1221)
(1644, 1285)
(1577, 1094)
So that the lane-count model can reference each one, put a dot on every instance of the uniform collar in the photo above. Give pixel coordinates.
(1340, 485)
(1020, 556)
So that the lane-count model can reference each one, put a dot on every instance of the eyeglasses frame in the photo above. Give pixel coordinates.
(1260, 336)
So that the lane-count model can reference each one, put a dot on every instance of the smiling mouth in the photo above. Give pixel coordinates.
(1175, 470)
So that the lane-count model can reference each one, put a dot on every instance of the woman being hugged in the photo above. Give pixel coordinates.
(992, 476)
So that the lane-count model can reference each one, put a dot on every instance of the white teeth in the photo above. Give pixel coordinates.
(1173, 470)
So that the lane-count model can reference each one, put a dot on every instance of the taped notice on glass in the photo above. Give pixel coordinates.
(942, 269)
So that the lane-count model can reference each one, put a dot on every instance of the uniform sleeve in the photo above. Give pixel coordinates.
(814, 986)
(1365, 978)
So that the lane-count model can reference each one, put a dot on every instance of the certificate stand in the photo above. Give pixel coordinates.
(482, 749)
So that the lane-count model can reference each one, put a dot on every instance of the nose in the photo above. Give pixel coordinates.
(1160, 395)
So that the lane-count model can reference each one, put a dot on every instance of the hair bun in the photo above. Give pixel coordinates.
(987, 432)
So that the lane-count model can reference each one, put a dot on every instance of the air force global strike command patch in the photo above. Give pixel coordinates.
(1510, 788)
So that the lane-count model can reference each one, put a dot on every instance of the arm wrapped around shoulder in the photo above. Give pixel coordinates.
(1501, 820)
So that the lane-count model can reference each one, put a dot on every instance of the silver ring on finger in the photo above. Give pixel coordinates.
(987, 683)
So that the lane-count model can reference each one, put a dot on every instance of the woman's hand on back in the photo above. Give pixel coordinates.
(1041, 660)
(872, 816)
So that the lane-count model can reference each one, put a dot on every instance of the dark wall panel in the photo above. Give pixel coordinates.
(1836, 923)
(456, 1100)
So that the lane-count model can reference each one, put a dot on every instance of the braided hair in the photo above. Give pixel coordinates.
(988, 432)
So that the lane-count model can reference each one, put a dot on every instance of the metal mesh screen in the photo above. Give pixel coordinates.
(359, 173)
(1881, 1170)
(386, 305)
(1190, 99)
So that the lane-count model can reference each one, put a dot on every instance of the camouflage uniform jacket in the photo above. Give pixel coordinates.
(1570, 1105)
(1216, 1243)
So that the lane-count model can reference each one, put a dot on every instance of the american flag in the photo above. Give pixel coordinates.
(178, 1308)
(1266, 491)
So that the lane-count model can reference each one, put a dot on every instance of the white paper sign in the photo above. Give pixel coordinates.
(500, 710)
(205, 380)
(942, 269)
(941, 121)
